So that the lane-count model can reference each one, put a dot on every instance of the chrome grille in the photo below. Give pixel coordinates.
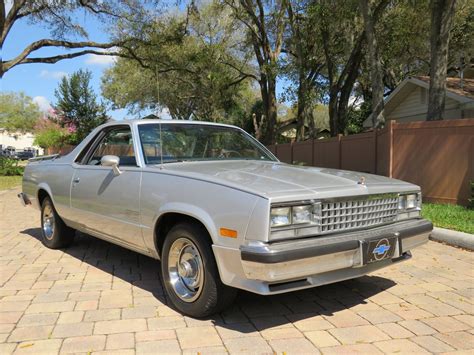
(347, 214)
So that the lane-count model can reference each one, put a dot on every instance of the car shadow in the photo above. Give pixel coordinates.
(263, 311)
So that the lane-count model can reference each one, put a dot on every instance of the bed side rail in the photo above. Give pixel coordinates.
(45, 157)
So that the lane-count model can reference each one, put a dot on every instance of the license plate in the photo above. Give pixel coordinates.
(380, 249)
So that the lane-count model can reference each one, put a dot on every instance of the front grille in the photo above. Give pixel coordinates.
(354, 213)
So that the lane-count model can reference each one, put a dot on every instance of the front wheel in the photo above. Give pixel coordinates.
(190, 274)
(55, 234)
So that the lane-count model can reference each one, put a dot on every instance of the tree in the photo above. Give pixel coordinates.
(265, 24)
(77, 107)
(305, 62)
(61, 18)
(376, 71)
(343, 44)
(189, 64)
(442, 13)
(18, 112)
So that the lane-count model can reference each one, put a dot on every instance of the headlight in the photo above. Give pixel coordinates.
(409, 206)
(280, 216)
(285, 216)
(409, 202)
(402, 202)
(301, 214)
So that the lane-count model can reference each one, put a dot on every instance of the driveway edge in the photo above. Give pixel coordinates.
(459, 239)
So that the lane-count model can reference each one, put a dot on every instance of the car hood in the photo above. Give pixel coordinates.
(282, 181)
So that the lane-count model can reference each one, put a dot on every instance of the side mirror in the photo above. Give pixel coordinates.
(113, 161)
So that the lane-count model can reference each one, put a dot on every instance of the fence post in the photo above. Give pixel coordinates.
(375, 150)
(339, 140)
(291, 152)
(390, 150)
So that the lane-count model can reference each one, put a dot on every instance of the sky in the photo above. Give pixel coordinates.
(40, 80)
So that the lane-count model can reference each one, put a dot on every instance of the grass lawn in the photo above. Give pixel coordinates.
(8, 182)
(453, 217)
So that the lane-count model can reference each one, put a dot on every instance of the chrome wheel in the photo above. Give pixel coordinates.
(185, 269)
(48, 222)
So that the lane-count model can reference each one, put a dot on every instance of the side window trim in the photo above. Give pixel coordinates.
(95, 145)
(90, 147)
(98, 139)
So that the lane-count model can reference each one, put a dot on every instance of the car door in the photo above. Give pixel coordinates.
(104, 203)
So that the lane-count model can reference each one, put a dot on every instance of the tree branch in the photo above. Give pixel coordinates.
(241, 72)
(22, 57)
(53, 59)
(7, 22)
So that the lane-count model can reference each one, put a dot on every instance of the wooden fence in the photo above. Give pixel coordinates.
(62, 150)
(438, 156)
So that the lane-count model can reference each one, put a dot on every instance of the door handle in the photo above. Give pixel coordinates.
(76, 180)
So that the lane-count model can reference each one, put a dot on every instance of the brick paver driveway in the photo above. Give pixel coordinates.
(96, 297)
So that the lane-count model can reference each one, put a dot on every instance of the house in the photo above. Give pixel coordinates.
(18, 140)
(409, 101)
(288, 130)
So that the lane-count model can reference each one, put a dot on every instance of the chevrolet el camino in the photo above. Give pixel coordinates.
(221, 212)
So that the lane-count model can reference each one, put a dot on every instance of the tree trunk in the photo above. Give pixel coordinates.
(301, 111)
(258, 126)
(271, 111)
(442, 12)
(376, 70)
(333, 112)
(302, 92)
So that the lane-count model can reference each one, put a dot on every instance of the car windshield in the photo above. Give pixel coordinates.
(189, 142)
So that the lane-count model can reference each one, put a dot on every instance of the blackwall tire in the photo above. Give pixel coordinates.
(191, 279)
(55, 234)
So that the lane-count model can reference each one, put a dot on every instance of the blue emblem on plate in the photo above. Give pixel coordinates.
(381, 249)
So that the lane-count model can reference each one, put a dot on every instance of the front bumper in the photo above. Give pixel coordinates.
(283, 266)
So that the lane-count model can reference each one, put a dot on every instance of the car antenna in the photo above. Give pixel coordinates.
(161, 148)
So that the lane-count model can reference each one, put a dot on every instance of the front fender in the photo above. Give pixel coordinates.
(191, 211)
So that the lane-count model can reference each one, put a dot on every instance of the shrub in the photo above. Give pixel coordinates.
(49, 138)
(50, 134)
(9, 167)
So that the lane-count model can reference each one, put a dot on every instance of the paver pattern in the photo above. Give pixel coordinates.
(99, 298)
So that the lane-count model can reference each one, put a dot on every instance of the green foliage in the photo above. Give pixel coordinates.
(49, 133)
(10, 167)
(50, 138)
(450, 216)
(356, 117)
(77, 106)
(189, 65)
(201, 63)
(18, 112)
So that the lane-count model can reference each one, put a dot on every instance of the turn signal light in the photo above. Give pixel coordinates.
(229, 233)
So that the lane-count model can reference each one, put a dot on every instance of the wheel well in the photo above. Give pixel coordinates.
(168, 221)
(42, 194)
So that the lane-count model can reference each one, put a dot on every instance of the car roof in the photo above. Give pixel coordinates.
(155, 121)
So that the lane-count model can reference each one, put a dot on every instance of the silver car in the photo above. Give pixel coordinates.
(221, 212)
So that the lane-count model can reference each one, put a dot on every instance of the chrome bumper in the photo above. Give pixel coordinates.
(299, 261)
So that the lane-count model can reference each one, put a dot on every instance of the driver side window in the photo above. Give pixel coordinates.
(115, 142)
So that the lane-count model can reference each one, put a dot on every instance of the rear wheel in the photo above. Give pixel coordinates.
(190, 274)
(55, 234)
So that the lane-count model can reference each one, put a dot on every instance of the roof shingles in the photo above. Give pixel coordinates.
(454, 85)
